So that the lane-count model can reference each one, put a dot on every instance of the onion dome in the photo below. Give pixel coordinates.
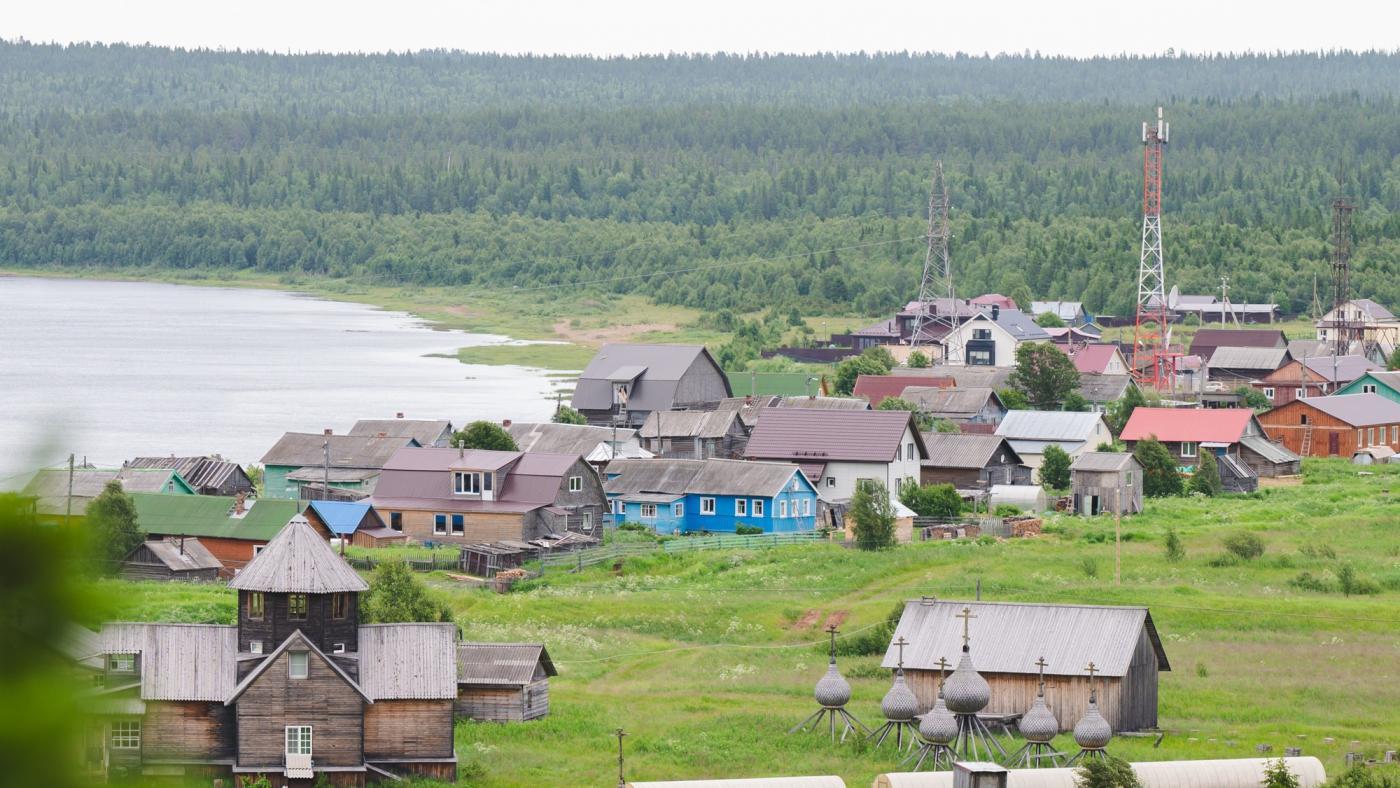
(833, 691)
(966, 691)
(938, 726)
(899, 704)
(1038, 724)
(1092, 732)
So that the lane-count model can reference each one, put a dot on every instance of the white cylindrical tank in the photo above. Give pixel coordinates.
(753, 782)
(1222, 773)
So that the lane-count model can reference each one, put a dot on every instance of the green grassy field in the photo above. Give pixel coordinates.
(707, 659)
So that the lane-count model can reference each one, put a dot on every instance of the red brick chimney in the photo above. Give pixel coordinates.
(326, 431)
(505, 423)
(238, 508)
(381, 435)
(398, 415)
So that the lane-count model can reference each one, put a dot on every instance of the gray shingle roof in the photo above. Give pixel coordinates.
(1048, 425)
(975, 377)
(1103, 388)
(830, 436)
(298, 561)
(954, 402)
(347, 451)
(1342, 369)
(688, 423)
(50, 485)
(178, 661)
(657, 368)
(510, 664)
(670, 478)
(1254, 358)
(1358, 410)
(408, 661)
(953, 450)
(1102, 461)
(428, 432)
(1008, 637)
(579, 439)
(183, 554)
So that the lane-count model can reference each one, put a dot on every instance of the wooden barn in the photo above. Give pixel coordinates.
(1007, 638)
(211, 475)
(172, 558)
(503, 682)
(1106, 482)
(971, 462)
(353, 520)
(1335, 426)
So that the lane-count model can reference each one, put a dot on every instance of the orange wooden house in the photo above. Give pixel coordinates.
(1335, 426)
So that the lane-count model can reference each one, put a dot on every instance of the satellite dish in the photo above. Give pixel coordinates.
(1173, 297)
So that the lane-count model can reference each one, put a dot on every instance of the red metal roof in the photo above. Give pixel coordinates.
(1201, 425)
(820, 436)
(1091, 358)
(876, 388)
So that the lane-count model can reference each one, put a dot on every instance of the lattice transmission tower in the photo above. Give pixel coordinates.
(1153, 362)
(1345, 329)
(938, 305)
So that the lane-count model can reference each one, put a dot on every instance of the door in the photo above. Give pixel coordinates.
(1094, 506)
(1333, 444)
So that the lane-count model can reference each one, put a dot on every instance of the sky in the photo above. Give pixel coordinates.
(1078, 28)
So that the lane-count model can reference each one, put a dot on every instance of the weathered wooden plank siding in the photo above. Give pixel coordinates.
(194, 730)
(490, 704)
(322, 700)
(408, 729)
(535, 703)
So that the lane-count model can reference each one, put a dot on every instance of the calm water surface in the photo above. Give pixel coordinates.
(112, 370)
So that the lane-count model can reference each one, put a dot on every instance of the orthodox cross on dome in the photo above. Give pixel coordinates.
(966, 615)
(621, 775)
(1093, 689)
(901, 643)
(1041, 663)
(832, 630)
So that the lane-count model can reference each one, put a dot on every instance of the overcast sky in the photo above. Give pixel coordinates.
(1069, 27)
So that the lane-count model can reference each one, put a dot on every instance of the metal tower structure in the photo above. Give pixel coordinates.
(1153, 362)
(1345, 329)
(936, 286)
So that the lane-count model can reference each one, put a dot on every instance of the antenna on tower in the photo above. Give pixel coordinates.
(1344, 329)
(1153, 362)
(938, 305)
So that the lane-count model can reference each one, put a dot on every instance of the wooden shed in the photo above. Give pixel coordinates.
(1106, 482)
(503, 682)
(1008, 637)
(172, 558)
(485, 560)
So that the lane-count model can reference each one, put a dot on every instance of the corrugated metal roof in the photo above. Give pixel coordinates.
(1358, 410)
(212, 516)
(428, 432)
(418, 478)
(828, 436)
(408, 661)
(200, 472)
(1103, 388)
(1008, 637)
(951, 402)
(1206, 340)
(342, 517)
(1093, 358)
(50, 485)
(821, 403)
(1065, 310)
(664, 366)
(954, 450)
(660, 475)
(671, 478)
(300, 449)
(179, 661)
(1252, 358)
(298, 561)
(501, 663)
(1202, 425)
(1024, 448)
(877, 388)
(1103, 461)
(320, 473)
(574, 439)
(181, 554)
(976, 377)
(1342, 369)
(688, 424)
(1050, 425)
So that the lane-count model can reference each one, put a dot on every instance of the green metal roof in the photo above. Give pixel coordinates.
(210, 515)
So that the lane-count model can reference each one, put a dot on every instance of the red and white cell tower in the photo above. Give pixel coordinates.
(1154, 364)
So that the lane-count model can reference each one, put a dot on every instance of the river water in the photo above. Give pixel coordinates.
(113, 370)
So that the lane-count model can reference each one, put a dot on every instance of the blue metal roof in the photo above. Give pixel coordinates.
(342, 517)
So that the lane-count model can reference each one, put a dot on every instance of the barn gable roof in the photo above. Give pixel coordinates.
(1357, 410)
(298, 561)
(655, 371)
(1008, 637)
(179, 662)
(502, 663)
(1103, 461)
(831, 435)
(180, 554)
(298, 449)
(408, 661)
(200, 472)
(427, 432)
(689, 423)
(878, 388)
(960, 450)
(1201, 425)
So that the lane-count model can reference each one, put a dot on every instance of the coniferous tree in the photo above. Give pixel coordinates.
(111, 521)
(873, 515)
(1159, 475)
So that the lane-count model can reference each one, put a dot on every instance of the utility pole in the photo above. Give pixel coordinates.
(936, 284)
(68, 513)
(326, 470)
(1153, 364)
(621, 772)
(1118, 532)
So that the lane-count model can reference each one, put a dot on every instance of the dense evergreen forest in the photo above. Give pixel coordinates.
(710, 181)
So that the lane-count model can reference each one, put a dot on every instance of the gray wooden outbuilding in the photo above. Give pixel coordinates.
(1106, 482)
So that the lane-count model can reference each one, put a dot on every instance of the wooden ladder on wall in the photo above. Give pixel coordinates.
(1307, 442)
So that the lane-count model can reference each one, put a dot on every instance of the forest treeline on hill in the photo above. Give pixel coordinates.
(749, 181)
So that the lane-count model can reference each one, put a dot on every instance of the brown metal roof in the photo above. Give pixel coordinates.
(408, 661)
(298, 561)
(417, 478)
(831, 435)
(511, 664)
(955, 450)
(1206, 340)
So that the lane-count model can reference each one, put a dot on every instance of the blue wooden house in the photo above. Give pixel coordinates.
(710, 496)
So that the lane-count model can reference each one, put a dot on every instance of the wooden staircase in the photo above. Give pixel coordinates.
(1307, 442)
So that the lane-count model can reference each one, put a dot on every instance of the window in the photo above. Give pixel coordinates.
(909, 451)
(258, 548)
(298, 739)
(782, 508)
(757, 508)
(440, 524)
(1360, 434)
(1368, 388)
(707, 505)
(1129, 476)
(678, 510)
(1370, 436)
(337, 648)
(648, 511)
(830, 481)
(618, 507)
(1269, 392)
(979, 358)
(587, 521)
(467, 483)
(741, 507)
(396, 520)
(1188, 449)
(1395, 433)
(458, 524)
(575, 484)
(340, 605)
(1303, 419)
(296, 606)
(298, 664)
(806, 507)
(795, 486)
(121, 663)
(981, 333)
(898, 453)
(255, 647)
(256, 609)
(1299, 394)
(126, 735)
(486, 479)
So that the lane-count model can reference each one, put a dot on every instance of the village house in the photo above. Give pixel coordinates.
(205, 475)
(1386, 384)
(994, 299)
(1312, 377)
(1233, 435)
(301, 460)
(594, 444)
(297, 690)
(355, 522)
(875, 389)
(1070, 312)
(694, 434)
(1210, 309)
(961, 406)
(1096, 359)
(1100, 390)
(171, 558)
(1074, 335)
(990, 339)
(427, 432)
(711, 496)
(835, 449)
(53, 501)
(1030, 431)
(1232, 366)
(624, 382)
(1007, 639)
(1206, 340)
(1105, 482)
(750, 408)
(466, 496)
(503, 682)
(971, 463)
(232, 529)
(1335, 426)
(1376, 327)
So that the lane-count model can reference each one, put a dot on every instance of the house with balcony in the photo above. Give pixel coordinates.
(674, 496)
(624, 383)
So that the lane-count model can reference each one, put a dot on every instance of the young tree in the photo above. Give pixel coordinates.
(1394, 362)
(1107, 772)
(945, 426)
(1044, 374)
(918, 360)
(1277, 775)
(395, 596)
(567, 415)
(1049, 320)
(873, 515)
(1253, 398)
(1119, 410)
(881, 356)
(850, 369)
(1159, 476)
(1206, 478)
(1013, 399)
(1054, 468)
(922, 420)
(1075, 402)
(111, 521)
(1174, 548)
(484, 435)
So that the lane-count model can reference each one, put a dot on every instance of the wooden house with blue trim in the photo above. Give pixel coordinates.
(710, 496)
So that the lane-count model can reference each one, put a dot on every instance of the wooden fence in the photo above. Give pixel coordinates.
(580, 559)
(445, 562)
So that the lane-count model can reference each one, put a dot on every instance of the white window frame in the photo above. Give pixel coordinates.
(909, 453)
(303, 740)
(1269, 392)
(575, 484)
(1371, 436)
(440, 523)
(806, 507)
(741, 507)
(707, 506)
(458, 523)
(678, 509)
(293, 657)
(466, 482)
(127, 663)
(648, 511)
(587, 521)
(783, 509)
(830, 481)
(1190, 449)
(258, 548)
(1395, 433)
(255, 647)
(757, 507)
(126, 734)
(1368, 388)
(898, 453)
(1300, 394)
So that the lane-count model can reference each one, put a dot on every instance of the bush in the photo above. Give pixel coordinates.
(1276, 775)
(1175, 550)
(1054, 468)
(1007, 510)
(1089, 566)
(872, 641)
(632, 527)
(1366, 777)
(1106, 772)
(1206, 479)
(1305, 581)
(1245, 546)
(918, 360)
(744, 529)
(1353, 584)
(933, 500)
(1224, 560)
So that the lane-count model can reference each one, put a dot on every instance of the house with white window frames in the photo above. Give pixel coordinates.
(837, 449)
(712, 496)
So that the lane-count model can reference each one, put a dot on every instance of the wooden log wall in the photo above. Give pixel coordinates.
(195, 730)
(408, 729)
(322, 700)
(490, 704)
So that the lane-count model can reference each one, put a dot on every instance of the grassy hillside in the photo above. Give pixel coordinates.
(707, 659)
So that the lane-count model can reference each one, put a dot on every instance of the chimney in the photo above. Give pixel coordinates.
(748, 399)
(381, 435)
(238, 503)
(182, 545)
(327, 431)
(398, 415)
(996, 312)
(505, 423)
